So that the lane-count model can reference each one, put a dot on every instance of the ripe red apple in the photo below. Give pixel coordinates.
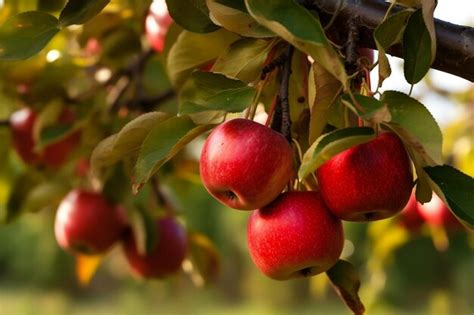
(294, 236)
(436, 213)
(53, 155)
(167, 255)
(22, 124)
(410, 217)
(157, 24)
(87, 223)
(245, 165)
(367, 182)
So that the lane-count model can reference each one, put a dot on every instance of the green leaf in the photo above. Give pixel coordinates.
(345, 278)
(330, 144)
(52, 134)
(233, 16)
(81, 11)
(367, 107)
(125, 143)
(457, 191)
(207, 91)
(47, 194)
(387, 34)
(192, 15)
(205, 259)
(302, 29)
(244, 59)
(428, 7)
(192, 50)
(50, 5)
(415, 124)
(163, 142)
(324, 88)
(143, 229)
(116, 186)
(23, 185)
(26, 34)
(416, 49)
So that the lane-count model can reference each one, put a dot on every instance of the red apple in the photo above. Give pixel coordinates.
(294, 236)
(22, 124)
(410, 217)
(367, 182)
(53, 155)
(157, 24)
(87, 223)
(436, 213)
(245, 165)
(167, 255)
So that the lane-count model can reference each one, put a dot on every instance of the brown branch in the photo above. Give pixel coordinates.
(147, 104)
(283, 95)
(455, 51)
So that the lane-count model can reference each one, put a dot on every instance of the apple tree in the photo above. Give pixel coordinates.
(108, 104)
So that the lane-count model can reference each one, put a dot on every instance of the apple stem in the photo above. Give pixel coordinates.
(275, 63)
(283, 94)
(272, 111)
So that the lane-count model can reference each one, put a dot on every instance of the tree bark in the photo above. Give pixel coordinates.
(455, 43)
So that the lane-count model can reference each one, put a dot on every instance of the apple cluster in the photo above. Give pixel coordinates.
(291, 234)
(54, 155)
(87, 223)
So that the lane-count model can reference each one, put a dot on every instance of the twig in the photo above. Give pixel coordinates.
(275, 63)
(147, 104)
(161, 199)
(283, 95)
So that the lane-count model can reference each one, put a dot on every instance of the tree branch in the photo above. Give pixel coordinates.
(455, 51)
(283, 95)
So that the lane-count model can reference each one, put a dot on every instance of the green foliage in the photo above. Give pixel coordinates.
(79, 11)
(139, 113)
(388, 33)
(345, 278)
(416, 48)
(163, 142)
(457, 189)
(299, 27)
(26, 34)
(330, 144)
(207, 91)
(191, 15)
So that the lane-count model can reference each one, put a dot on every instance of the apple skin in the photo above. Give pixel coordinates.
(157, 24)
(53, 155)
(167, 255)
(436, 213)
(370, 181)
(410, 217)
(294, 236)
(87, 223)
(245, 165)
(21, 124)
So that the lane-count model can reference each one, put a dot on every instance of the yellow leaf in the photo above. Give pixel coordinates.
(86, 267)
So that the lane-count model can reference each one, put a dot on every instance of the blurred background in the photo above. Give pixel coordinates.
(403, 271)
